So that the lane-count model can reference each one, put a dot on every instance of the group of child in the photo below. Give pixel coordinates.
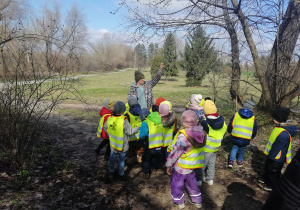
(188, 151)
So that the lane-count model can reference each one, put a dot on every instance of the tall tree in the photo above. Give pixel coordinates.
(140, 56)
(199, 57)
(170, 56)
(155, 62)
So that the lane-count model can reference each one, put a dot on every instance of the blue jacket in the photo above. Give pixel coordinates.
(134, 110)
(241, 142)
(216, 123)
(282, 143)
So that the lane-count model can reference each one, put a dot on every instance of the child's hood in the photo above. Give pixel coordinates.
(215, 122)
(135, 110)
(290, 126)
(195, 107)
(245, 113)
(196, 136)
(171, 120)
(104, 111)
(155, 118)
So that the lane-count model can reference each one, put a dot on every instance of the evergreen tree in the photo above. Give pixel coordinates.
(151, 51)
(140, 56)
(170, 56)
(155, 62)
(199, 57)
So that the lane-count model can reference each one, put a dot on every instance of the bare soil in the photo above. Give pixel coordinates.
(69, 175)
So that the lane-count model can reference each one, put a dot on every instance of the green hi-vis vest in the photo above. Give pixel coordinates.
(115, 130)
(101, 123)
(135, 121)
(214, 138)
(156, 133)
(276, 132)
(242, 128)
(200, 104)
(168, 135)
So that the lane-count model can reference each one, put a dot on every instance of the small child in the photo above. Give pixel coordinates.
(151, 134)
(119, 130)
(169, 121)
(133, 116)
(155, 106)
(196, 105)
(187, 153)
(278, 149)
(215, 127)
(243, 128)
(104, 113)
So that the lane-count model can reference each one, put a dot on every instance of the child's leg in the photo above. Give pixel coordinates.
(177, 187)
(210, 171)
(107, 151)
(122, 163)
(112, 161)
(192, 188)
(241, 153)
(157, 159)
(233, 152)
(273, 172)
(146, 161)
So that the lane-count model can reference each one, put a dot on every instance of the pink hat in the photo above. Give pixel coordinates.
(189, 119)
(163, 109)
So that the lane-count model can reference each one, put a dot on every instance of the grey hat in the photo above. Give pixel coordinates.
(249, 105)
(132, 100)
(144, 113)
(119, 107)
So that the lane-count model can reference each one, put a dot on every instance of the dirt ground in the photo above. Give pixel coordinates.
(72, 176)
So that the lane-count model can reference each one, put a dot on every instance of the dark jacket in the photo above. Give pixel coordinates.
(215, 123)
(134, 110)
(241, 142)
(286, 195)
(282, 143)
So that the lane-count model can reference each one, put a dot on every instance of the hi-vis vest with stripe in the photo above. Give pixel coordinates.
(156, 133)
(214, 138)
(115, 130)
(242, 128)
(194, 158)
(168, 135)
(101, 123)
(276, 132)
(135, 121)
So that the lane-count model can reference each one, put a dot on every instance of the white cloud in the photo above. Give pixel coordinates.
(96, 34)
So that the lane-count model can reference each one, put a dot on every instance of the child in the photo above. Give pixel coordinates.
(155, 106)
(105, 112)
(243, 128)
(187, 153)
(133, 116)
(169, 121)
(119, 130)
(215, 127)
(196, 105)
(151, 134)
(278, 149)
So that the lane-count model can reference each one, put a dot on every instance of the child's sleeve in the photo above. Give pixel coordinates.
(177, 151)
(144, 131)
(128, 129)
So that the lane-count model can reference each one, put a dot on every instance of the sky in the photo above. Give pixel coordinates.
(98, 14)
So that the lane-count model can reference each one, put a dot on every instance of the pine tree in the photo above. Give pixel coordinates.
(140, 56)
(170, 56)
(199, 57)
(155, 62)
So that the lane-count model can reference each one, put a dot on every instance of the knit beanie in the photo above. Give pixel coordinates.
(144, 113)
(119, 107)
(108, 103)
(189, 119)
(159, 100)
(168, 103)
(138, 76)
(249, 105)
(163, 109)
(281, 114)
(132, 100)
(209, 107)
(196, 99)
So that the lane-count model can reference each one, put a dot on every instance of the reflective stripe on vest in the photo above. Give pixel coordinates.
(242, 128)
(115, 130)
(156, 133)
(101, 123)
(275, 133)
(214, 138)
(135, 121)
(168, 135)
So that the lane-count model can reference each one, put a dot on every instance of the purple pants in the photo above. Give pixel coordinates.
(180, 182)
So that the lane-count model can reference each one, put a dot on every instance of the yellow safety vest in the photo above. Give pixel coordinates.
(168, 135)
(101, 123)
(200, 104)
(214, 138)
(135, 121)
(242, 128)
(276, 132)
(115, 130)
(156, 133)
